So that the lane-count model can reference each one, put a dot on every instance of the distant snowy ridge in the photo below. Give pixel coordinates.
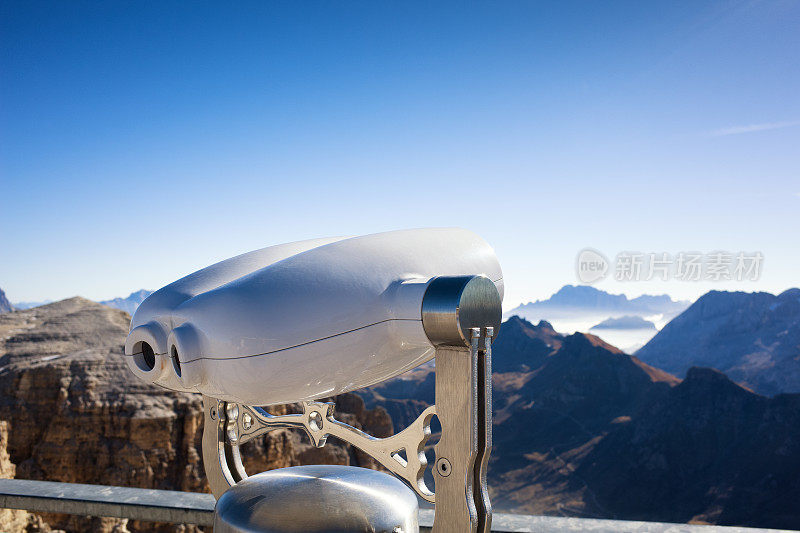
(130, 303)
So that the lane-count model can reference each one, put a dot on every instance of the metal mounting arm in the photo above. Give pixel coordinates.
(462, 454)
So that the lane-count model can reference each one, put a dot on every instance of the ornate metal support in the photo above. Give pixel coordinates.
(232, 425)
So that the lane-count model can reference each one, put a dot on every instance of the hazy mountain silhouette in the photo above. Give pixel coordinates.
(578, 308)
(625, 322)
(583, 299)
(30, 305)
(130, 303)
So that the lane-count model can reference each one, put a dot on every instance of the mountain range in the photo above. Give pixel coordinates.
(625, 322)
(754, 338)
(584, 299)
(580, 307)
(127, 304)
(30, 305)
(582, 429)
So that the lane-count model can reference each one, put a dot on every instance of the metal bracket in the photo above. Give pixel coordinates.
(463, 406)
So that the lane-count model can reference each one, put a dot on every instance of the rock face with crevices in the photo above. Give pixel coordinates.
(73, 412)
(5, 305)
(754, 338)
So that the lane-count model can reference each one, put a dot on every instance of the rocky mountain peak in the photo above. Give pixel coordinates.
(698, 374)
(790, 294)
(710, 380)
(543, 329)
(586, 344)
(521, 346)
(584, 295)
(5, 305)
(130, 303)
(751, 337)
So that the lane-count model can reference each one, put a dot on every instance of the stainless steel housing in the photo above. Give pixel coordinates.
(319, 498)
(453, 305)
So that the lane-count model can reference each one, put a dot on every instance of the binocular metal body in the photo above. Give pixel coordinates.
(303, 320)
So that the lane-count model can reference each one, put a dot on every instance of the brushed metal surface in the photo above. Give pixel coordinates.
(484, 424)
(456, 384)
(319, 498)
(221, 458)
(149, 505)
(464, 409)
(453, 305)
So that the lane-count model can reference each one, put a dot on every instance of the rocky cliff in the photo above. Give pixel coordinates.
(754, 338)
(5, 305)
(73, 412)
(707, 451)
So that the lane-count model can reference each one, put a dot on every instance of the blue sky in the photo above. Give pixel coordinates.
(141, 141)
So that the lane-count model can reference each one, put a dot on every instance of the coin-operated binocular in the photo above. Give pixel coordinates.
(308, 320)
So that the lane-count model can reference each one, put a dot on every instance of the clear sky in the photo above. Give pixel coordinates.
(140, 141)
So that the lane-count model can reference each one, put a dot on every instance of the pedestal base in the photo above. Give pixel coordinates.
(318, 498)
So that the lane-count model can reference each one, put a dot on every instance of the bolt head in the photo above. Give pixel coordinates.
(443, 467)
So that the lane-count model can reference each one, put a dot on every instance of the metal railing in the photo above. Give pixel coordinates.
(195, 508)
